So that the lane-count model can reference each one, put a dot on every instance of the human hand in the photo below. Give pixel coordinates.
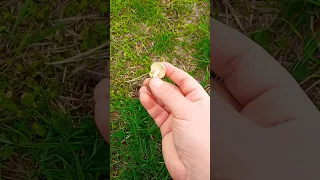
(102, 108)
(182, 113)
(250, 138)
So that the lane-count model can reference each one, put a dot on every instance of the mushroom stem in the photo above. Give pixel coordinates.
(156, 73)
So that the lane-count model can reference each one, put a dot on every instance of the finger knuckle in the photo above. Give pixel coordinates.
(170, 90)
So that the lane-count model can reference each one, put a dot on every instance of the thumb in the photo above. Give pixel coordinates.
(169, 95)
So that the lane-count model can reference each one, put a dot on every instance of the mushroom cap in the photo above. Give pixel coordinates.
(157, 66)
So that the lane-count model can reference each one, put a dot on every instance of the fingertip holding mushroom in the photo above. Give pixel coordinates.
(157, 70)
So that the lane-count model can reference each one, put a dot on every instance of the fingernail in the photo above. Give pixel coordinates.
(156, 82)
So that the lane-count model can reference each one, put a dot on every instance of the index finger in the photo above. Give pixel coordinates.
(256, 80)
(247, 69)
(188, 85)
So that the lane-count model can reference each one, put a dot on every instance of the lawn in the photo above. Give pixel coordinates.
(142, 32)
(52, 54)
(289, 30)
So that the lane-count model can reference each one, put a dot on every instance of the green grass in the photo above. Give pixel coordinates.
(46, 111)
(289, 30)
(46, 107)
(142, 32)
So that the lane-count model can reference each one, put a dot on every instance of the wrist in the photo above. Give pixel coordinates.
(200, 166)
(200, 170)
(202, 174)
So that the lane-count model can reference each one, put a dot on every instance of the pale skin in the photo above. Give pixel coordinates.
(102, 112)
(182, 113)
(262, 123)
(274, 125)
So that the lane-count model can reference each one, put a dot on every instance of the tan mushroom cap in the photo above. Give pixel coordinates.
(157, 70)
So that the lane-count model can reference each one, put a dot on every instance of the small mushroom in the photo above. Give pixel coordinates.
(157, 70)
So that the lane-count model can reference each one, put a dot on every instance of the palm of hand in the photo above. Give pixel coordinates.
(180, 138)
